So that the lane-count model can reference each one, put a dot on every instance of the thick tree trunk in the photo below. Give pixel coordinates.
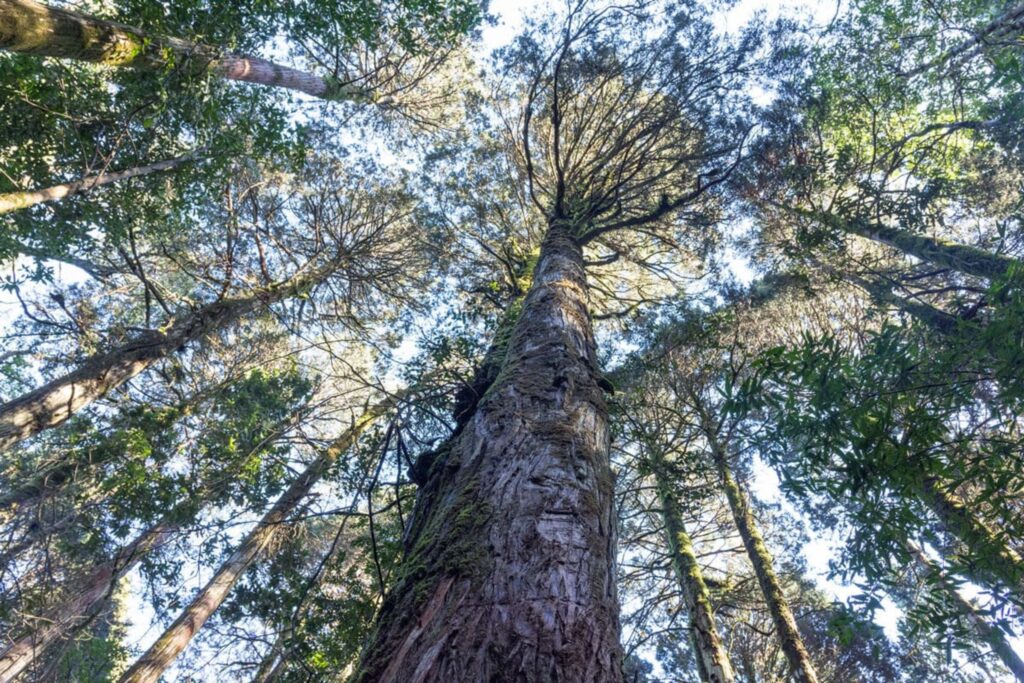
(55, 402)
(801, 669)
(151, 665)
(86, 600)
(991, 635)
(14, 201)
(508, 573)
(989, 558)
(936, 319)
(713, 664)
(33, 28)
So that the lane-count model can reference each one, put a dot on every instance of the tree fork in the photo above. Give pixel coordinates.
(508, 570)
(31, 27)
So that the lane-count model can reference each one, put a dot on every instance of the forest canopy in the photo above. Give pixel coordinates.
(433, 341)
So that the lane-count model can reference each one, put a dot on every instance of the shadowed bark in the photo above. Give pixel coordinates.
(508, 570)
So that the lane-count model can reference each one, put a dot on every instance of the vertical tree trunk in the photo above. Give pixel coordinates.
(990, 634)
(14, 201)
(713, 664)
(151, 665)
(786, 629)
(990, 560)
(86, 600)
(33, 28)
(56, 401)
(508, 571)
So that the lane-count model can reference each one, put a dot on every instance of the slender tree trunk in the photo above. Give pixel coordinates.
(151, 665)
(56, 401)
(713, 664)
(33, 28)
(508, 572)
(86, 600)
(14, 201)
(786, 629)
(959, 257)
(990, 559)
(990, 634)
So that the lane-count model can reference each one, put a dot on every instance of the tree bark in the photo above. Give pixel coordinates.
(959, 257)
(792, 643)
(508, 571)
(87, 599)
(990, 559)
(713, 664)
(990, 634)
(30, 27)
(151, 665)
(56, 401)
(15, 201)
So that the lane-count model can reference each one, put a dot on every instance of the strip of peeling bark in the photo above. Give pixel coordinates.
(801, 668)
(33, 28)
(713, 664)
(991, 635)
(56, 401)
(87, 599)
(152, 664)
(15, 201)
(508, 570)
(989, 558)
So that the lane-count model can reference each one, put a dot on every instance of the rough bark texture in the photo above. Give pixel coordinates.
(989, 558)
(14, 201)
(33, 28)
(713, 664)
(53, 403)
(801, 669)
(86, 600)
(988, 633)
(151, 665)
(508, 572)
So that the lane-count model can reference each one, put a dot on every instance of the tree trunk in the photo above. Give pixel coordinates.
(990, 559)
(786, 629)
(990, 634)
(86, 600)
(56, 401)
(712, 660)
(14, 201)
(151, 665)
(936, 319)
(959, 257)
(509, 566)
(30, 27)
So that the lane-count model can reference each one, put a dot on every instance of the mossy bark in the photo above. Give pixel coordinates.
(173, 641)
(508, 569)
(988, 558)
(801, 668)
(713, 664)
(33, 28)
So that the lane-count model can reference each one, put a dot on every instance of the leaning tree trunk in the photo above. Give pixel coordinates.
(33, 28)
(792, 643)
(959, 257)
(55, 402)
(991, 635)
(509, 566)
(15, 201)
(151, 665)
(87, 599)
(990, 559)
(713, 664)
